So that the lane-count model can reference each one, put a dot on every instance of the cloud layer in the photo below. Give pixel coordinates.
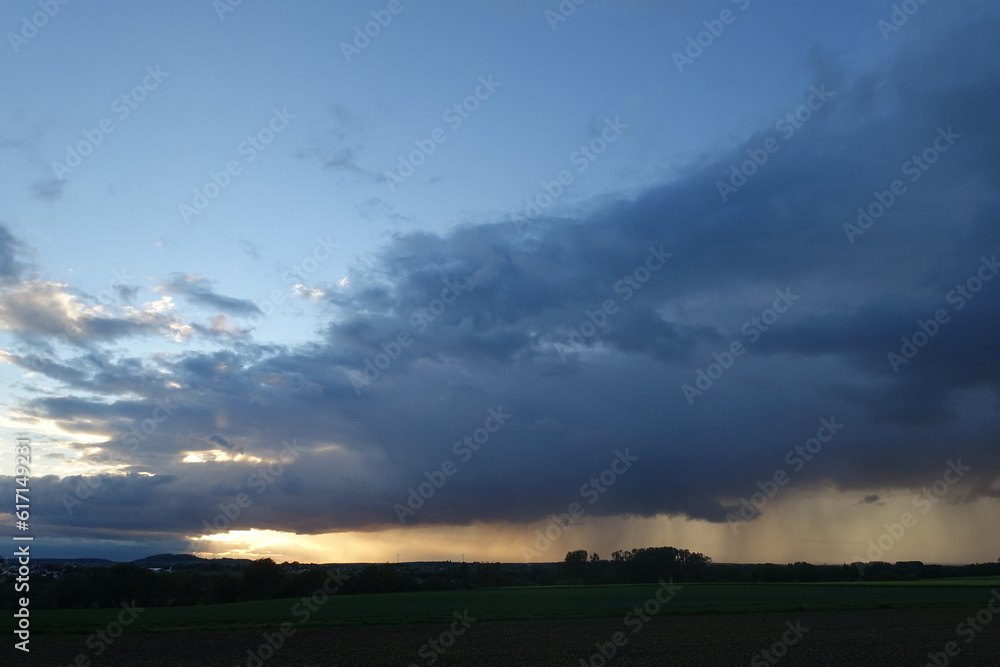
(585, 329)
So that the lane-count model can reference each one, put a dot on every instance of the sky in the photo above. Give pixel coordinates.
(499, 280)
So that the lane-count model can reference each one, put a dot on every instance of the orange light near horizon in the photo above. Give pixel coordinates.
(816, 526)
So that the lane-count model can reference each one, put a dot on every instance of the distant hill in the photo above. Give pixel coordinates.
(71, 561)
(185, 561)
(166, 560)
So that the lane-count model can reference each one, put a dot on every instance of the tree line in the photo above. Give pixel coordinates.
(107, 586)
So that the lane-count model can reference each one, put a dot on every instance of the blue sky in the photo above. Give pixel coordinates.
(255, 315)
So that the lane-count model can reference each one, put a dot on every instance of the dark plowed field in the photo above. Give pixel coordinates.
(876, 637)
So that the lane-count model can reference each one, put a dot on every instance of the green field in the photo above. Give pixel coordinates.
(553, 602)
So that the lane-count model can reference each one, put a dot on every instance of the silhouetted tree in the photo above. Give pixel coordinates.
(261, 578)
(574, 567)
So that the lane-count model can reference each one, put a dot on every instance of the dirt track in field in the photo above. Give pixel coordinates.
(877, 637)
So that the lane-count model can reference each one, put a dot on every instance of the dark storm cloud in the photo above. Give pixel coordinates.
(199, 291)
(96, 371)
(496, 320)
(219, 440)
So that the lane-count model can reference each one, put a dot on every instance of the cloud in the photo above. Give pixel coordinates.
(23, 134)
(378, 209)
(301, 290)
(489, 311)
(11, 268)
(219, 440)
(337, 149)
(251, 249)
(39, 310)
(48, 189)
(126, 293)
(198, 291)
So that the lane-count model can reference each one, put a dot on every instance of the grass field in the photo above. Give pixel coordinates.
(555, 602)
